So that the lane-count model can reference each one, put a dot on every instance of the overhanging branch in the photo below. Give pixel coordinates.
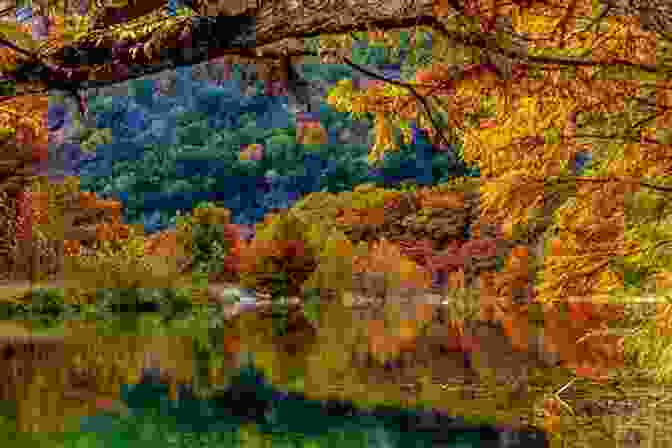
(419, 97)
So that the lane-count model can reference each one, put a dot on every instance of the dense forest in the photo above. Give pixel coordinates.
(169, 151)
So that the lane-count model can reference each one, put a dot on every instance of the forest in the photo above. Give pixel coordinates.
(512, 157)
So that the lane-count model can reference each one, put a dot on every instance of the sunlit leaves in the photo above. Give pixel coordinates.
(340, 96)
(384, 140)
(17, 33)
(526, 21)
(71, 28)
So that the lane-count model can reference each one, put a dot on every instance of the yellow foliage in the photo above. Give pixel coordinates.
(384, 140)
(526, 22)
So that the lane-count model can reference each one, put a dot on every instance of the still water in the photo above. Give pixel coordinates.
(197, 381)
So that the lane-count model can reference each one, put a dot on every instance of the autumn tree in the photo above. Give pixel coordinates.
(559, 82)
(528, 87)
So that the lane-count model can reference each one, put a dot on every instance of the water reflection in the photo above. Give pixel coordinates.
(250, 408)
(420, 363)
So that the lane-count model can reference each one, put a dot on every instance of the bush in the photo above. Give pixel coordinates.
(210, 240)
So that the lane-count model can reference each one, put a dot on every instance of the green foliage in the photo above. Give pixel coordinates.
(283, 227)
(7, 133)
(47, 300)
(367, 196)
(312, 309)
(48, 309)
(205, 158)
(203, 234)
(92, 137)
(209, 248)
(647, 349)
(370, 55)
(335, 269)
(418, 55)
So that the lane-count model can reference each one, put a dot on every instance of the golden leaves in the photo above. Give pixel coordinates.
(517, 142)
(511, 197)
(525, 21)
(384, 138)
(20, 34)
(341, 95)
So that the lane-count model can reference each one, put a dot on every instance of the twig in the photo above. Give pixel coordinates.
(560, 400)
(419, 97)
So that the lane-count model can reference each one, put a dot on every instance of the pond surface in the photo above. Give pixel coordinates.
(371, 377)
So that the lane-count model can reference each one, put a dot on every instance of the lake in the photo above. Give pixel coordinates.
(371, 377)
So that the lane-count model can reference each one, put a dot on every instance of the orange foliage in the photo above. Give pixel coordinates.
(312, 133)
(429, 198)
(386, 257)
(456, 279)
(380, 343)
(162, 243)
(72, 248)
(520, 252)
(424, 312)
(231, 344)
(556, 247)
(355, 216)
(112, 231)
(588, 354)
(663, 280)
(388, 344)
(517, 157)
(27, 115)
(487, 123)
(424, 75)
(552, 412)
(408, 333)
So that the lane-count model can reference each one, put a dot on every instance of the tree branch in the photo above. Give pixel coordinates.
(420, 98)
(607, 180)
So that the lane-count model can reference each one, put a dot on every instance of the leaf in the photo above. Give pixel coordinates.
(13, 32)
